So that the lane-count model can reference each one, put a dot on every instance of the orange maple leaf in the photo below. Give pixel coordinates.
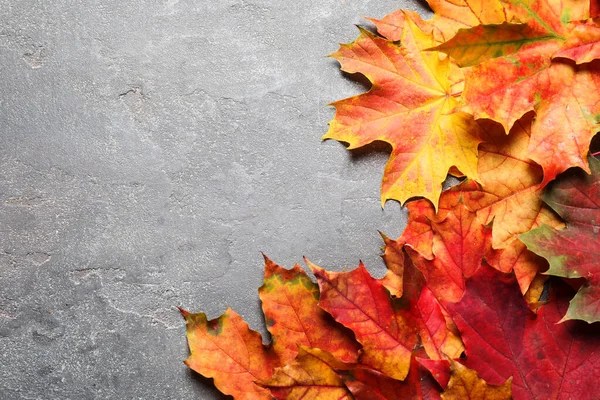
(411, 107)
(519, 67)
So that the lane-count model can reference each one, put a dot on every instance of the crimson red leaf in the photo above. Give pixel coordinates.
(504, 339)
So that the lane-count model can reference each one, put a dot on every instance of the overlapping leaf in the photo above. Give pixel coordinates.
(504, 339)
(311, 375)
(410, 106)
(226, 350)
(574, 252)
(518, 57)
(361, 303)
(289, 301)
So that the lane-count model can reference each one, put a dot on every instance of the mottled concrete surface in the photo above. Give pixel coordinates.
(150, 150)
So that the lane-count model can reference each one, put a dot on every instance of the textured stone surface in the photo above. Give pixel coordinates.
(150, 150)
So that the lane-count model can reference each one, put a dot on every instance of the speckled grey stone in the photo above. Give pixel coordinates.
(149, 151)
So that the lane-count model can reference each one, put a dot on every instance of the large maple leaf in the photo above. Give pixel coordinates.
(503, 339)
(411, 107)
(526, 63)
(574, 252)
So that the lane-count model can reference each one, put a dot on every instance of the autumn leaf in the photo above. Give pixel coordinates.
(361, 303)
(448, 18)
(465, 384)
(459, 245)
(574, 252)
(504, 339)
(226, 350)
(410, 106)
(583, 43)
(437, 333)
(290, 305)
(311, 375)
(483, 42)
(519, 57)
(367, 384)
(396, 261)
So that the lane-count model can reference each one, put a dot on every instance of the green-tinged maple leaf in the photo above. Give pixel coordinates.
(411, 107)
(574, 252)
(519, 67)
(483, 42)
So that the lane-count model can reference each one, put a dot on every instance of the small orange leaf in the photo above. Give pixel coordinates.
(226, 350)
(290, 305)
(465, 384)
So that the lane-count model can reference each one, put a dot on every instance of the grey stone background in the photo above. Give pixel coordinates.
(149, 151)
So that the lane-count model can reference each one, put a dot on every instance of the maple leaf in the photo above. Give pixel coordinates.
(410, 106)
(519, 57)
(226, 350)
(438, 335)
(361, 303)
(290, 305)
(574, 252)
(311, 375)
(504, 339)
(448, 18)
(465, 384)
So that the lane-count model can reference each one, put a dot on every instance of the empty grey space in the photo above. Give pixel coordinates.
(150, 151)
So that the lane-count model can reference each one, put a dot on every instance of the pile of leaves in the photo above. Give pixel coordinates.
(493, 289)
